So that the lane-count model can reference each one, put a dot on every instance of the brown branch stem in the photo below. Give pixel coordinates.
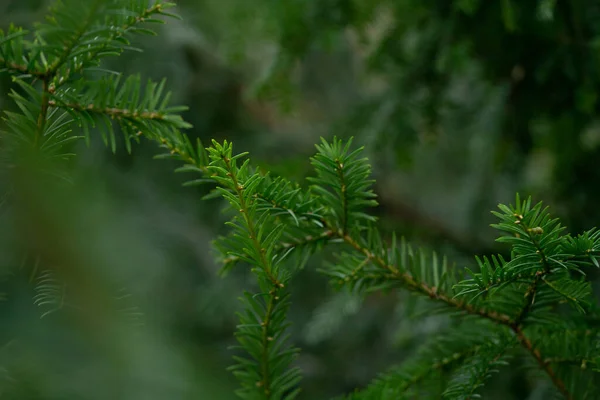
(526, 343)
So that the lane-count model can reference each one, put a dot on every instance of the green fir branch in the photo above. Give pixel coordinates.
(507, 303)
(475, 370)
(261, 332)
(342, 184)
(434, 359)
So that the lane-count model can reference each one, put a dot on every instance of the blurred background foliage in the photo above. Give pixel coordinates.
(460, 103)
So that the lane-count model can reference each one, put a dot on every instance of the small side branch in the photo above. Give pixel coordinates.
(119, 33)
(113, 112)
(52, 69)
(410, 283)
(526, 343)
(19, 68)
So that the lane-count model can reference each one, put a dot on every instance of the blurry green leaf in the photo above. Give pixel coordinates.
(509, 16)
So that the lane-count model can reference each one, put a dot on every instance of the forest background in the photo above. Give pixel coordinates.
(460, 104)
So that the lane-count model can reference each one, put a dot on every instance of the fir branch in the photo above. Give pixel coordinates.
(349, 177)
(390, 272)
(13, 51)
(514, 222)
(11, 66)
(113, 112)
(529, 299)
(268, 209)
(472, 374)
(287, 202)
(410, 283)
(273, 379)
(244, 210)
(539, 276)
(23, 132)
(542, 259)
(75, 38)
(571, 291)
(569, 346)
(546, 367)
(343, 183)
(398, 382)
(111, 42)
(442, 353)
(266, 379)
(138, 111)
(445, 363)
(309, 239)
(229, 261)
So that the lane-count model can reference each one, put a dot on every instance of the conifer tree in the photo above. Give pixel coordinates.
(535, 304)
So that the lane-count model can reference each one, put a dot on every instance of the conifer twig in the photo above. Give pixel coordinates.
(68, 48)
(112, 112)
(120, 32)
(530, 297)
(539, 275)
(445, 362)
(432, 292)
(525, 342)
(265, 382)
(24, 69)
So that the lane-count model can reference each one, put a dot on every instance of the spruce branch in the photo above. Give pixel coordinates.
(445, 363)
(275, 218)
(268, 374)
(13, 52)
(252, 232)
(116, 41)
(101, 32)
(478, 368)
(545, 366)
(528, 255)
(229, 261)
(138, 110)
(549, 251)
(75, 37)
(446, 352)
(529, 299)
(408, 282)
(76, 34)
(18, 68)
(343, 184)
(119, 113)
(532, 232)
(400, 382)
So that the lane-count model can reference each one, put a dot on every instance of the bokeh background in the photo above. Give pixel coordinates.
(459, 103)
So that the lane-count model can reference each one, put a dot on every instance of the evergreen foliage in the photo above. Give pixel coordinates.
(536, 304)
